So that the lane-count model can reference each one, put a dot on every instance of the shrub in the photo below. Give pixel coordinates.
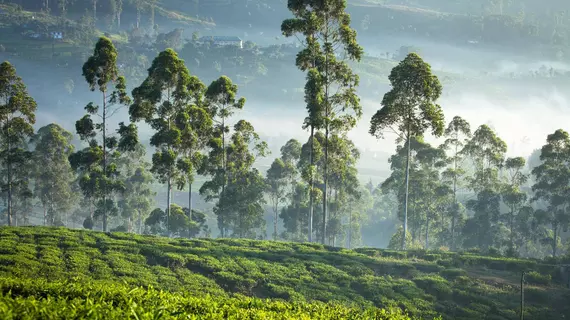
(534, 277)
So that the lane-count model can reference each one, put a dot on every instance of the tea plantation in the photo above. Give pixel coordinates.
(77, 274)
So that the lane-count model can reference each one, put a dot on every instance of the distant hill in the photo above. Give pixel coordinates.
(35, 262)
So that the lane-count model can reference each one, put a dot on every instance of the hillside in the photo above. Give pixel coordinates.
(457, 286)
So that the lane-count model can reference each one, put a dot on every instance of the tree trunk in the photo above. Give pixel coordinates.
(554, 242)
(45, 215)
(140, 221)
(407, 182)
(9, 162)
(427, 232)
(455, 204)
(275, 214)
(190, 199)
(95, 10)
(168, 199)
(104, 157)
(311, 185)
(350, 229)
(325, 206)
(138, 15)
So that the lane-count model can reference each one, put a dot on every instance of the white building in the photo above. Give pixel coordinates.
(222, 41)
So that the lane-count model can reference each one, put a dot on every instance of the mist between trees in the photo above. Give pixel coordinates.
(463, 194)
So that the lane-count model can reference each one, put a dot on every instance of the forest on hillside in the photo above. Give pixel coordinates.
(464, 194)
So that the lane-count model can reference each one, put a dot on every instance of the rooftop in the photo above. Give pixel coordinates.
(220, 38)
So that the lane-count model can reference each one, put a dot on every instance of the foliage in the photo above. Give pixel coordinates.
(41, 259)
(96, 164)
(17, 115)
(411, 107)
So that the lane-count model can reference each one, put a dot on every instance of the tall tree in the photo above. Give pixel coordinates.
(195, 124)
(100, 71)
(513, 195)
(276, 180)
(160, 100)
(486, 151)
(222, 104)
(331, 85)
(552, 181)
(137, 200)
(410, 106)
(53, 175)
(240, 205)
(457, 133)
(17, 115)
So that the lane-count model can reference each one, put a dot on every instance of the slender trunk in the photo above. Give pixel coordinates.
(427, 232)
(522, 296)
(275, 208)
(168, 200)
(9, 163)
(554, 242)
(327, 111)
(140, 221)
(104, 158)
(455, 205)
(311, 184)
(511, 227)
(350, 229)
(190, 199)
(119, 20)
(223, 171)
(407, 182)
(129, 225)
(45, 215)
(95, 10)
(138, 16)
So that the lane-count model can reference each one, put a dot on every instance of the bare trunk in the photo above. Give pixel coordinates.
(407, 182)
(275, 212)
(95, 10)
(311, 185)
(427, 233)
(45, 215)
(350, 229)
(104, 157)
(190, 199)
(168, 200)
(554, 242)
(11, 218)
(139, 221)
(138, 16)
(455, 205)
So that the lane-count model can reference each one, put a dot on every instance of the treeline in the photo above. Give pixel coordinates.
(463, 194)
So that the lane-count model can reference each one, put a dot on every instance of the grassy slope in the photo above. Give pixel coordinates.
(457, 286)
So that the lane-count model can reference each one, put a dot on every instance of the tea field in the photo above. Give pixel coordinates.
(78, 274)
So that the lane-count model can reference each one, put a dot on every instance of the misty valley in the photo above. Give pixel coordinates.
(272, 159)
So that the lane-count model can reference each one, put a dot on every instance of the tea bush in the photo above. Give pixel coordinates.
(422, 283)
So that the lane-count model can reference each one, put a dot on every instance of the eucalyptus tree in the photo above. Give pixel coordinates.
(196, 128)
(431, 160)
(552, 181)
(162, 99)
(221, 103)
(276, 180)
(17, 116)
(486, 152)
(409, 109)
(240, 206)
(99, 175)
(512, 194)
(330, 91)
(343, 177)
(52, 175)
(457, 133)
(137, 200)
